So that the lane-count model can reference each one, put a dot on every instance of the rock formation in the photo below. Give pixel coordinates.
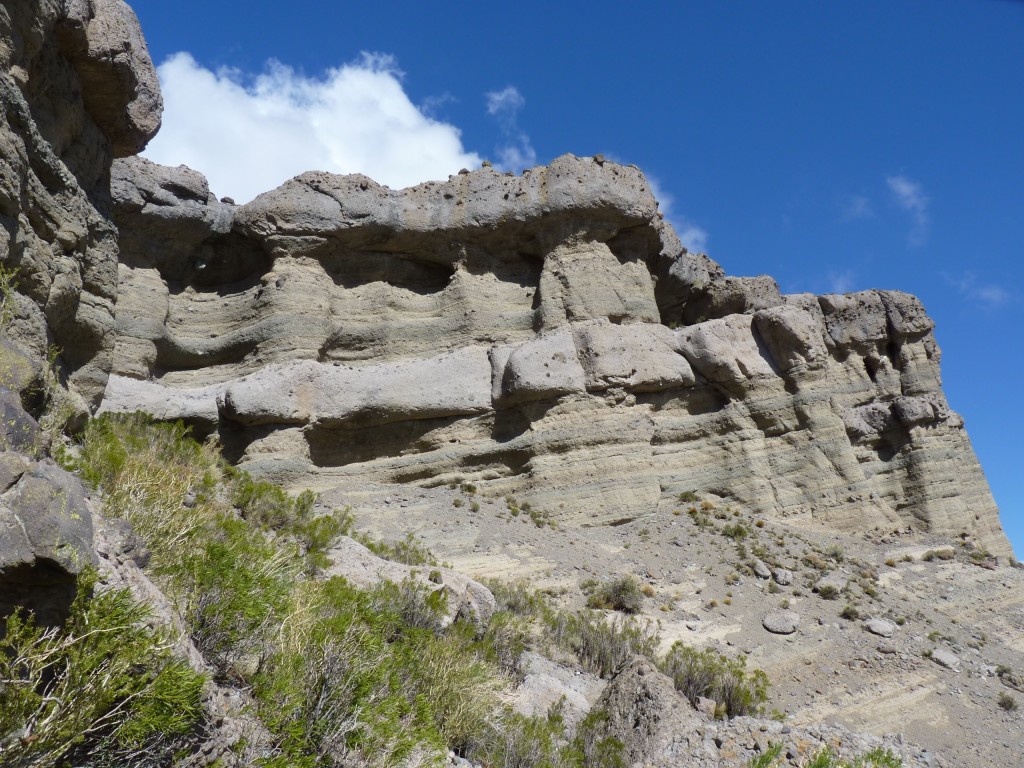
(78, 89)
(542, 335)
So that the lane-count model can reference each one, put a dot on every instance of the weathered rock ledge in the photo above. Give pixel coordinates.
(542, 335)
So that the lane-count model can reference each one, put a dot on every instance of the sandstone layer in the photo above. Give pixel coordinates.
(542, 335)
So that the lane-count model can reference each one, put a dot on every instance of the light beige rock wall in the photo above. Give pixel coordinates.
(536, 334)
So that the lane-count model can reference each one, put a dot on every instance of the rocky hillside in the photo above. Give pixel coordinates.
(491, 364)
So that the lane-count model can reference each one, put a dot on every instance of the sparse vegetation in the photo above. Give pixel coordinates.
(826, 758)
(938, 554)
(850, 613)
(726, 681)
(623, 593)
(338, 674)
(103, 686)
(736, 531)
(408, 550)
(1007, 701)
(600, 645)
(813, 560)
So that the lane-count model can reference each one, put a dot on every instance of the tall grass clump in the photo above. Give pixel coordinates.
(602, 646)
(338, 674)
(624, 593)
(707, 673)
(102, 689)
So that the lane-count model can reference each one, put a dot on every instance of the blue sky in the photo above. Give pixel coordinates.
(835, 146)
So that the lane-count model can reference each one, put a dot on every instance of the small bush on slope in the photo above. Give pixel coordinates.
(621, 594)
(711, 675)
(102, 689)
(602, 647)
(826, 758)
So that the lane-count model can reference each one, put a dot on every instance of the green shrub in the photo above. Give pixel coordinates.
(407, 550)
(505, 640)
(518, 598)
(591, 748)
(711, 675)
(1007, 702)
(624, 593)
(736, 531)
(101, 687)
(875, 758)
(767, 758)
(267, 504)
(372, 675)
(518, 741)
(828, 591)
(602, 646)
(850, 613)
(234, 587)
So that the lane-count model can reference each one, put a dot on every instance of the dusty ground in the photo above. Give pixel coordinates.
(831, 669)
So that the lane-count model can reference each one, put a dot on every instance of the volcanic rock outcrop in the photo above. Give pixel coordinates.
(78, 88)
(543, 335)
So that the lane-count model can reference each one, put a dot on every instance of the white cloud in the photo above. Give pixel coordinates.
(856, 207)
(910, 197)
(693, 237)
(515, 152)
(506, 103)
(249, 134)
(840, 282)
(988, 296)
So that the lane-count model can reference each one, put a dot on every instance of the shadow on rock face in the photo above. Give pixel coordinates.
(44, 588)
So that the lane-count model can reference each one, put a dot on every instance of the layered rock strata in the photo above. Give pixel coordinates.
(542, 335)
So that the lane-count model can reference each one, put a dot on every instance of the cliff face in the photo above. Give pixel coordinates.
(542, 335)
(78, 88)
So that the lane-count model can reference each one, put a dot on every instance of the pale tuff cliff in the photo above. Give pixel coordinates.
(423, 356)
(543, 335)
